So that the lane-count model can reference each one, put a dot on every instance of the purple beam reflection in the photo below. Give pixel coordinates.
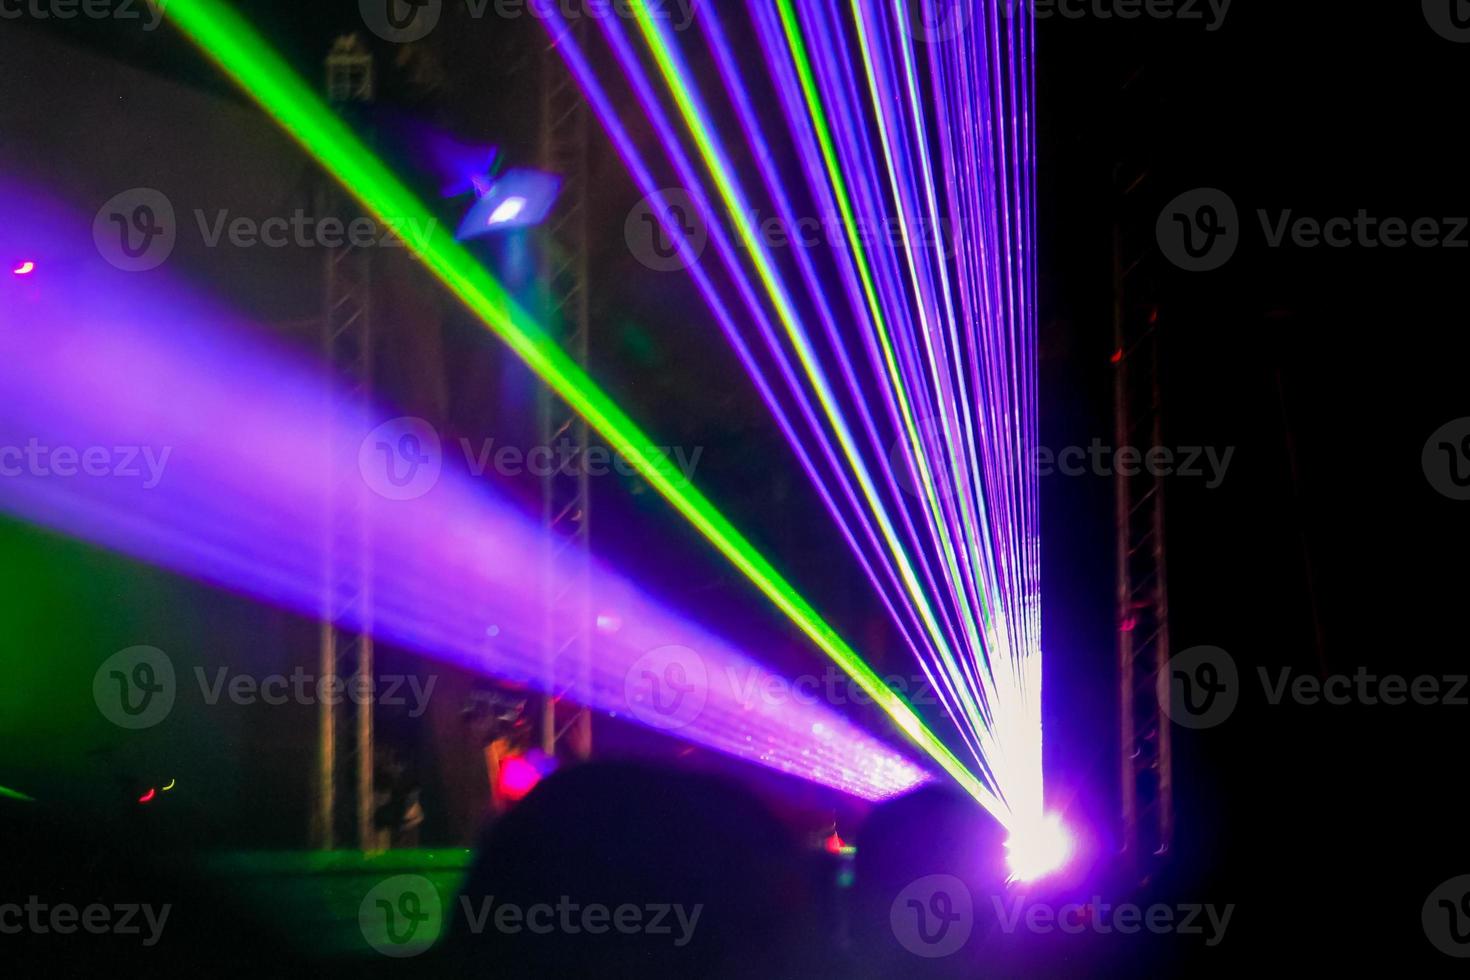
(239, 460)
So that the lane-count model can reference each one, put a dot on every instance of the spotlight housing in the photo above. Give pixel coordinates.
(516, 199)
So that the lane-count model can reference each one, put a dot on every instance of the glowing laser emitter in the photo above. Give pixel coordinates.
(1038, 849)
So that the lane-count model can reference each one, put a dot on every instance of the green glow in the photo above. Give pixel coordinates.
(251, 63)
(13, 794)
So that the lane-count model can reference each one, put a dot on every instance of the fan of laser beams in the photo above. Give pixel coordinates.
(231, 43)
(992, 685)
(897, 356)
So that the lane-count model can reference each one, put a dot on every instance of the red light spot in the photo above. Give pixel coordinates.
(148, 796)
(833, 844)
(517, 777)
(1117, 357)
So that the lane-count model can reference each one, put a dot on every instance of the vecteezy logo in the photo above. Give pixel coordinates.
(1446, 459)
(1446, 917)
(135, 230)
(941, 460)
(660, 224)
(941, 20)
(1199, 687)
(1449, 18)
(401, 458)
(1199, 230)
(402, 916)
(667, 687)
(933, 916)
(401, 21)
(134, 688)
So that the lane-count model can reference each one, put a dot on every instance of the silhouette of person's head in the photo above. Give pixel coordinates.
(927, 866)
(620, 869)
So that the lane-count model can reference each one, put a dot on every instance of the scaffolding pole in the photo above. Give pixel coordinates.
(565, 724)
(1145, 754)
(343, 808)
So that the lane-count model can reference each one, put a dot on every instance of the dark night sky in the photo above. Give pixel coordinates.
(1348, 357)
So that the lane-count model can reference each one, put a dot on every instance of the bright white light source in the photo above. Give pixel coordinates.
(1037, 850)
(507, 210)
(24, 269)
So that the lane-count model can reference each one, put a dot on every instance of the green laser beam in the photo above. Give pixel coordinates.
(739, 210)
(242, 54)
(821, 127)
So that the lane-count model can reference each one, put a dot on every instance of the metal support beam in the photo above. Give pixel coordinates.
(1142, 597)
(565, 501)
(345, 779)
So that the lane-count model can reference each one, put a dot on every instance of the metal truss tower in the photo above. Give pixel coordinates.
(1142, 580)
(344, 804)
(565, 725)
